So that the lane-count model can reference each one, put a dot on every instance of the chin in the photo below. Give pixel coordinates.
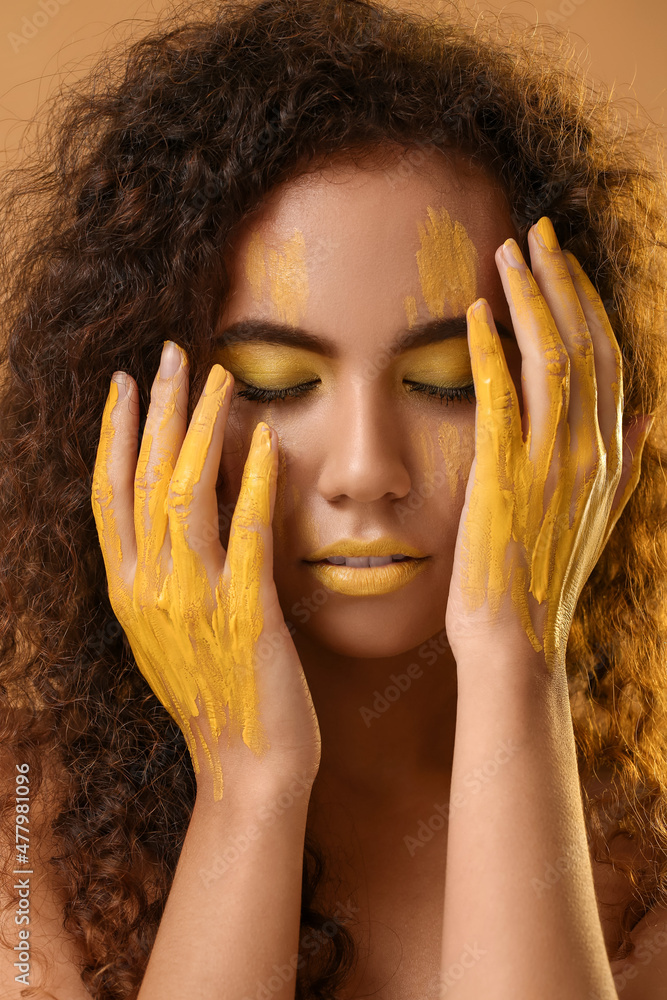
(366, 628)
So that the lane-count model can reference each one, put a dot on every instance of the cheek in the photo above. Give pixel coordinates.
(444, 454)
(289, 484)
(456, 447)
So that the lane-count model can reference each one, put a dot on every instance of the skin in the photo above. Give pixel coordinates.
(334, 253)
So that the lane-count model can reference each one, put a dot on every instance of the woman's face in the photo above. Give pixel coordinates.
(345, 284)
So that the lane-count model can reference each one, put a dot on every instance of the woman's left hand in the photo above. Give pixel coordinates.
(538, 512)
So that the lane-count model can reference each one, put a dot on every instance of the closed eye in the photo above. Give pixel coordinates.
(256, 394)
(454, 393)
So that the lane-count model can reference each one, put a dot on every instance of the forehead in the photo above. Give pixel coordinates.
(349, 245)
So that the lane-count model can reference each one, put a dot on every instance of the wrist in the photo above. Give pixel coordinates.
(250, 787)
(503, 663)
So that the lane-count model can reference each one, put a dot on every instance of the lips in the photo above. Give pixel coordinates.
(360, 561)
(360, 568)
(386, 547)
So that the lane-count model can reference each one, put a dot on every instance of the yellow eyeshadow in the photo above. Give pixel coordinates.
(446, 363)
(271, 366)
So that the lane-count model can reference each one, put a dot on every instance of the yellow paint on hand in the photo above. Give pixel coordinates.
(519, 537)
(193, 638)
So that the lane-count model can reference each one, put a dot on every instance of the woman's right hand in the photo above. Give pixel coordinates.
(205, 625)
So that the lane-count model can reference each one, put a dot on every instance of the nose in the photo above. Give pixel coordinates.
(363, 459)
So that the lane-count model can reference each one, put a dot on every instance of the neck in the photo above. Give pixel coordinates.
(386, 722)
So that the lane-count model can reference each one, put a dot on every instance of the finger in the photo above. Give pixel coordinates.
(545, 365)
(113, 477)
(161, 442)
(192, 499)
(497, 422)
(608, 357)
(249, 563)
(247, 588)
(553, 276)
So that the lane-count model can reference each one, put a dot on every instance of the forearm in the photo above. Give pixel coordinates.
(233, 912)
(520, 909)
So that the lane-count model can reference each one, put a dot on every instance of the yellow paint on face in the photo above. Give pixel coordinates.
(444, 363)
(286, 272)
(428, 459)
(255, 267)
(447, 264)
(193, 639)
(280, 512)
(410, 306)
(270, 366)
(458, 447)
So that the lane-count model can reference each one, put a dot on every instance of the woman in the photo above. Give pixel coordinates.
(337, 217)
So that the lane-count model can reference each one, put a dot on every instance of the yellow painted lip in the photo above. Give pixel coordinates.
(363, 581)
(385, 546)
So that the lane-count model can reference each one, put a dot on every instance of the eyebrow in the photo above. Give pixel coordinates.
(428, 332)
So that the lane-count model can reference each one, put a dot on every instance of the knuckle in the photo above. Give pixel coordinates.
(556, 362)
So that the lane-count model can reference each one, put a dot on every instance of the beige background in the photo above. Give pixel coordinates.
(42, 42)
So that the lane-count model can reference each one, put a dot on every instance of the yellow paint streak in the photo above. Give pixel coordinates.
(425, 441)
(443, 363)
(280, 511)
(255, 268)
(270, 366)
(447, 264)
(449, 440)
(288, 279)
(410, 306)
(193, 638)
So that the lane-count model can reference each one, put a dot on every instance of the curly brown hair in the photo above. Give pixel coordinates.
(113, 235)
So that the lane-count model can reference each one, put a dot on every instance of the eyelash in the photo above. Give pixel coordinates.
(454, 394)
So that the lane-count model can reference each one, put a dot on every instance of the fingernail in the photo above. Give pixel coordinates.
(120, 378)
(170, 360)
(478, 310)
(512, 253)
(216, 379)
(545, 234)
(262, 439)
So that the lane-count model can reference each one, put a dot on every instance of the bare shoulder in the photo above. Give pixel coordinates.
(35, 950)
(643, 974)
